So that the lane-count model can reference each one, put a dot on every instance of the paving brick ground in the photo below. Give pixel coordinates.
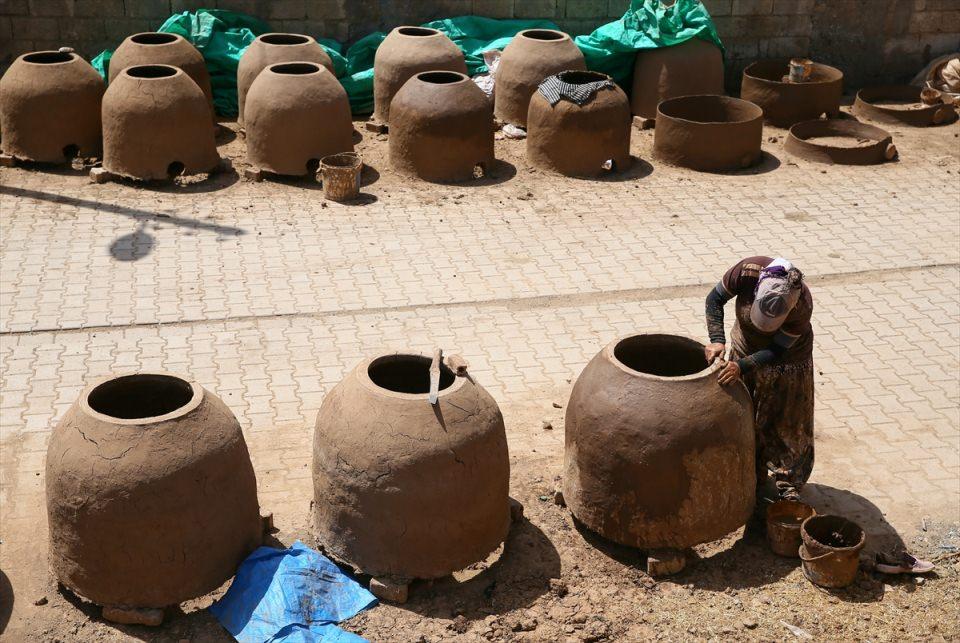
(267, 295)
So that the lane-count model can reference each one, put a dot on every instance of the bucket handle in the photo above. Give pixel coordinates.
(815, 558)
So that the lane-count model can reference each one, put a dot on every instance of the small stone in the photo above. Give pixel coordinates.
(133, 616)
(558, 587)
(665, 562)
(558, 498)
(749, 623)
(547, 425)
(40, 601)
(460, 624)
(390, 590)
(919, 580)
(557, 405)
(99, 175)
(254, 174)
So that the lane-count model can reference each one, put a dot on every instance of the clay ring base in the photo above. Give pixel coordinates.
(872, 144)
(872, 103)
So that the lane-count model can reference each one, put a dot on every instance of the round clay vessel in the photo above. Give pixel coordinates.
(405, 52)
(404, 488)
(784, 103)
(658, 453)
(50, 107)
(530, 57)
(151, 496)
(441, 128)
(157, 125)
(708, 133)
(271, 48)
(580, 140)
(156, 48)
(297, 113)
(692, 67)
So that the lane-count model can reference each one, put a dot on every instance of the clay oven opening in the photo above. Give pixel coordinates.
(284, 39)
(441, 77)
(48, 57)
(710, 109)
(663, 355)
(417, 31)
(542, 34)
(581, 77)
(154, 38)
(295, 69)
(406, 374)
(133, 397)
(151, 71)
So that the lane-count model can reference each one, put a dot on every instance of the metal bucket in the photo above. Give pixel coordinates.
(783, 526)
(340, 174)
(831, 550)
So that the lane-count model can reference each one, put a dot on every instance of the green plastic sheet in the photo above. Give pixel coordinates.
(222, 36)
(647, 24)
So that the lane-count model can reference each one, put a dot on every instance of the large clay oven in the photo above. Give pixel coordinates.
(271, 48)
(156, 48)
(405, 52)
(157, 125)
(692, 67)
(786, 103)
(297, 113)
(530, 57)
(50, 107)
(658, 453)
(151, 496)
(709, 133)
(403, 488)
(441, 128)
(580, 140)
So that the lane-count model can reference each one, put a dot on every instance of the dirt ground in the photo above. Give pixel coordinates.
(553, 580)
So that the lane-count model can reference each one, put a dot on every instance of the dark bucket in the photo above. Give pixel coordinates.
(831, 550)
(783, 526)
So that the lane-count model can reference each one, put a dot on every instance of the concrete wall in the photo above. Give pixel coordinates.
(871, 40)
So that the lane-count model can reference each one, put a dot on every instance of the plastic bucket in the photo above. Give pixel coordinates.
(340, 174)
(783, 526)
(831, 550)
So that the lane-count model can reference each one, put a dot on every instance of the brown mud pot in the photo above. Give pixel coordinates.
(151, 495)
(658, 454)
(785, 103)
(709, 133)
(783, 526)
(831, 550)
(688, 69)
(50, 108)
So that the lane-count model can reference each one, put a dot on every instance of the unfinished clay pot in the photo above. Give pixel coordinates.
(271, 48)
(692, 67)
(405, 52)
(580, 140)
(403, 488)
(709, 133)
(900, 105)
(785, 103)
(156, 48)
(297, 113)
(50, 107)
(530, 57)
(157, 125)
(151, 496)
(441, 128)
(840, 141)
(658, 453)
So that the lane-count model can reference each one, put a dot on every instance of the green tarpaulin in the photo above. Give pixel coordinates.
(222, 36)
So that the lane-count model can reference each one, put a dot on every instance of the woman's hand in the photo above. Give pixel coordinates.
(713, 351)
(729, 373)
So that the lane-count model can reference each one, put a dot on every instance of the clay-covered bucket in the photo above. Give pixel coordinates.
(831, 550)
(783, 526)
(340, 174)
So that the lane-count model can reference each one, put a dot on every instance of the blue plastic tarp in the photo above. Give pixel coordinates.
(294, 595)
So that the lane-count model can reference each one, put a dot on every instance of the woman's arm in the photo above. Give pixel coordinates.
(714, 311)
(774, 353)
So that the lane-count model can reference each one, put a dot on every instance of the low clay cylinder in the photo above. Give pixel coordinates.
(580, 140)
(50, 107)
(156, 48)
(297, 113)
(709, 133)
(784, 103)
(441, 128)
(658, 453)
(692, 67)
(151, 496)
(157, 125)
(405, 52)
(530, 57)
(271, 48)
(405, 488)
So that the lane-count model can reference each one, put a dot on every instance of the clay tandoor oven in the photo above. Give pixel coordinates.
(785, 103)
(404, 488)
(151, 496)
(708, 133)
(658, 453)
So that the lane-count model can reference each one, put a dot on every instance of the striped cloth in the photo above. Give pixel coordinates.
(554, 88)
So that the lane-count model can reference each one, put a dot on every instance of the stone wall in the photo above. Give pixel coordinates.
(871, 40)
